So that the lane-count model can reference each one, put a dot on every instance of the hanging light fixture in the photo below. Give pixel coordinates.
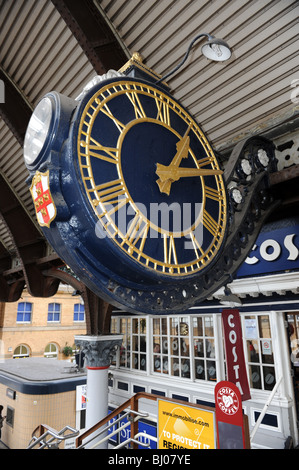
(214, 49)
(230, 299)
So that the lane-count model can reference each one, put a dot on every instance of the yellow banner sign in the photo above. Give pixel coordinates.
(184, 427)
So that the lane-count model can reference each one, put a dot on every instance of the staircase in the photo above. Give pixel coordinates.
(125, 416)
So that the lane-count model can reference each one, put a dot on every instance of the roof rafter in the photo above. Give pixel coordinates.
(92, 33)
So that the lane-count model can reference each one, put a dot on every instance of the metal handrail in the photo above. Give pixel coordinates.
(131, 403)
(59, 436)
(136, 441)
(137, 414)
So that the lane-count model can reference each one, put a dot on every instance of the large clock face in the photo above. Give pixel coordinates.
(152, 179)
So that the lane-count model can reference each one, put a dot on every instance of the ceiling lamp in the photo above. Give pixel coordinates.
(230, 299)
(214, 49)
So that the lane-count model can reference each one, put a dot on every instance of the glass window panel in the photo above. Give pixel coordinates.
(198, 348)
(135, 328)
(135, 346)
(165, 365)
(269, 377)
(174, 349)
(253, 350)
(174, 326)
(209, 327)
(135, 362)
(142, 343)
(122, 326)
(211, 370)
(175, 367)
(197, 326)
(157, 363)
(164, 326)
(156, 345)
(199, 369)
(164, 344)
(142, 362)
(184, 347)
(113, 327)
(185, 368)
(264, 326)
(267, 352)
(27, 316)
(255, 376)
(156, 326)
(210, 347)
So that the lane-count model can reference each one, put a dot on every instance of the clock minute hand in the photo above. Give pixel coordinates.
(174, 173)
(182, 147)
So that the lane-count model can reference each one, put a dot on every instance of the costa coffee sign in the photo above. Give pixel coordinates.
(235, 362)
(275, 250)
(231, 423)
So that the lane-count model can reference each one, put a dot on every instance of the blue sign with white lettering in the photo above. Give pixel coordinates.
(275, 250)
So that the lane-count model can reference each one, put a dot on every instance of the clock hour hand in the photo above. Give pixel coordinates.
(182, 147)
(174, 173)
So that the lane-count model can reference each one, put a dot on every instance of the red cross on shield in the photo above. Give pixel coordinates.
(44, 206)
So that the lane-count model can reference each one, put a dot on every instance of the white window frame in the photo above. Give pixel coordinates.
(54, 321)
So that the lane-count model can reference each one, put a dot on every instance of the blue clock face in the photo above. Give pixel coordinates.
(151, 179)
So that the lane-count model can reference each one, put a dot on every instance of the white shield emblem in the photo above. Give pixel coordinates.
(44, 206)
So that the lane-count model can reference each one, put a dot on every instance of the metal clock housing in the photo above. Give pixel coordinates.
(129, 193)
(142, 161)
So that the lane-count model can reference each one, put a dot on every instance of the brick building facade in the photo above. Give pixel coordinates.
(41, 327)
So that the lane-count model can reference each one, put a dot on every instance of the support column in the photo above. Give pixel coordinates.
(97, 350)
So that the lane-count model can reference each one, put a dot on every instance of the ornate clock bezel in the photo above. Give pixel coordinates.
(123, 86)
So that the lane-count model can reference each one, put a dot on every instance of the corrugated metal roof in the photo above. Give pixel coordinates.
(38, 50)
(228, 99)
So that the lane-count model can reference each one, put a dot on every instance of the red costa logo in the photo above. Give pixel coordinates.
(227, 401)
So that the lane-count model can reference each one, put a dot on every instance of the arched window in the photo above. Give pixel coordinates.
(21, 351)
(54, 312)
(51, 350)
(24, 312)
(79, 312)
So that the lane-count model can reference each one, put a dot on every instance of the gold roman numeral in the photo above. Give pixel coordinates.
(105, 110)
(138, 108)
(204, 161)
(170, 255)
(163, 112)
(95, 149)
(111, 192)
(137, 234)
(213, 194)
(210, 223)
(197, 247)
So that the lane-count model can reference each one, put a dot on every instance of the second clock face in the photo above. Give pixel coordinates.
(151, 178)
